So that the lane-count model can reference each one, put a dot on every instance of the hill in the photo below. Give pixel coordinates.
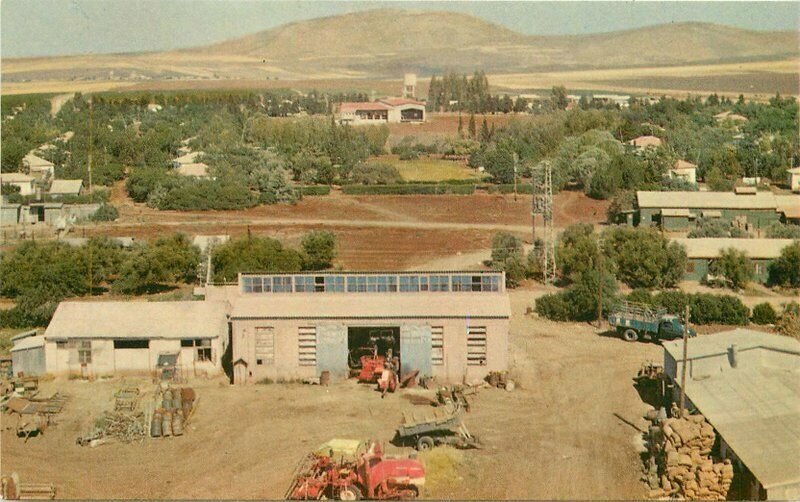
(384, 43)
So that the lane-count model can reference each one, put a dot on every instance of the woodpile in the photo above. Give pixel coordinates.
(681, 448)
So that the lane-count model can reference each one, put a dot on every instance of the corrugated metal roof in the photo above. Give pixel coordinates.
(186, 319)
(707, 200)
(756, 409)
(379, 305)
(710, 247)
(366, 106)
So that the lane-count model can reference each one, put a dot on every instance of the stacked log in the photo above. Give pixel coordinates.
(682, 451)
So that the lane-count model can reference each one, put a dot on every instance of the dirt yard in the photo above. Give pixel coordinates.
(556, 436)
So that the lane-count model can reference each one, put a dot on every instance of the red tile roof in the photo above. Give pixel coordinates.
(352, 107)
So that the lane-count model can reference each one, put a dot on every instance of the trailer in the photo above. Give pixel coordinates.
(634, 321)
(441, 425)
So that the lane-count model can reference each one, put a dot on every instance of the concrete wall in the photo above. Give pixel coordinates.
(29, 361)
(9, 214)
(286, 365)
(63, 358)
(676, 223)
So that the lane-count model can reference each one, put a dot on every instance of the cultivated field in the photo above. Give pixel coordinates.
(430, 169)
(557, 436)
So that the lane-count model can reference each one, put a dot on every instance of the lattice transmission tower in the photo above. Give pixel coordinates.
(543, 204)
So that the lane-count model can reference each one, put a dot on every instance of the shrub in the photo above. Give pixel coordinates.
(789, 323)
(718, 309)
(579, 302)
(785, 270)
(554, 306)
(781, 231)
(504, 246)
(314, 190)
(375, 173)
(106, 212)
(733, 266)
(253, 254)
(715, 228)
(764, 313)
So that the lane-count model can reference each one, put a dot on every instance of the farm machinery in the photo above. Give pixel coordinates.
(437, 426)
(361, 471)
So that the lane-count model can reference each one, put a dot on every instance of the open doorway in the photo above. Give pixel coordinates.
(369, 340)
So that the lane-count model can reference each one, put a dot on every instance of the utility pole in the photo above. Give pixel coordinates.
(91, 195)
(685, 357)
(543, 204)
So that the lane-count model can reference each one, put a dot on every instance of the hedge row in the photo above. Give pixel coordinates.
(509, 188)
(430, 189)
(705, 308)
(314, 190)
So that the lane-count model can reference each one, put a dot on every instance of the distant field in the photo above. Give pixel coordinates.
(428, 169)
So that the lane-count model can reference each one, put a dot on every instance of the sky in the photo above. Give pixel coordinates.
(59, 27)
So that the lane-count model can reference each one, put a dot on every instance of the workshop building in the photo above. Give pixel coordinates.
(700, 253)
(449, 325)
(747, 385)
(117, 338)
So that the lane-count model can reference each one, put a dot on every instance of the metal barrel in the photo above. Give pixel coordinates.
(166, 400)
(166, 424)
(176, 399)
(177, 423)
(155, 425)
(187, 394)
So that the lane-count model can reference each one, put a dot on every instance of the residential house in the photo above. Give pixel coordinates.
(24, 182)
(38, 167)
(685, 171)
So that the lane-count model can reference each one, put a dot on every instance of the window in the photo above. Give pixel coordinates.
(307, 345)
(758, 268)
(690, 266)
(490, 283)
(265, 345)
(476, 345)
(282, 284)
(334, 283)
(437, 345)
(409, 283)
(202, 346)
(84, 351)
(439, 283)
(423, 283)
(304, 284)
(381, 283)
(356, 283)
(131, 344)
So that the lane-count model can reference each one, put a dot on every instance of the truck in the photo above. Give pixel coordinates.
(635, 321)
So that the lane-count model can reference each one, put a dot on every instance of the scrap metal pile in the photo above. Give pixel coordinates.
(34, 414)
(174, 408)
(680, 463)
(124, 424)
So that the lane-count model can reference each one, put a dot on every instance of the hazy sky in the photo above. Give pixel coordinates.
(52, 27)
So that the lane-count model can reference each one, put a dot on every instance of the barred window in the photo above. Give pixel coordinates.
(476, 346)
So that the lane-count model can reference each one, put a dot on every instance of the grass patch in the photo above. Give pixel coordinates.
(441, 466)
(432, 170)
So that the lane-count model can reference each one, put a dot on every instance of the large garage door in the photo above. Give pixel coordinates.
(332, 349)
(415, 348)
(131, 355)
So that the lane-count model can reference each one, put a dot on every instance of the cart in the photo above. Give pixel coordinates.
(437, 426)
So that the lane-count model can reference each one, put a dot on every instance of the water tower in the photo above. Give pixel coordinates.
(410, 85)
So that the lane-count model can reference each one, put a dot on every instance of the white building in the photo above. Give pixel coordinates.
(387, 110)
(794, 178)
(24, 182)
(685, 171)
(38, 167)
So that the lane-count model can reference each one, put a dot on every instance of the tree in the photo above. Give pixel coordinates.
(558, 97)
(486, 135)
(375, 173)
(471, 128)
(319, 250)
(733, 266)
(785, 270)
(578, 250)
(253, 254)
(168, 261)
(504, 246)
(498, 160)
(460, 126)
(644, 258)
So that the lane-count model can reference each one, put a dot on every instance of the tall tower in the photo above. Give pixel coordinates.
(543, 204)
(410, 86)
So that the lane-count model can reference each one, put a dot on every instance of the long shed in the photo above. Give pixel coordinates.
(27, 354)
(702, 252)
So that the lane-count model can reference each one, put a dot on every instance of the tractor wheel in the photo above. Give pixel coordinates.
(350, 493)
(425, 443)
(630, 335)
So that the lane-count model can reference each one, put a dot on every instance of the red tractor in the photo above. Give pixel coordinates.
(371, 475)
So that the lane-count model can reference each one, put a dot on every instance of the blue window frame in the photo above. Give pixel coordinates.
(356, 283)
(409, 283)
(439, 283)
(304, 284)
(334, 283)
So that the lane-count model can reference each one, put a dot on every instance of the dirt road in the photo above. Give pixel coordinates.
(554, 437)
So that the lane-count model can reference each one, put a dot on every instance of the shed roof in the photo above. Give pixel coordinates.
(185, 319)
(682, 165)
(706, 200)
(32, 160)
(401, 102)
(789, 205)
(645, 141)
(755, 409)
(30, 342)
(379, 305)
(710, 247)
(66, 187)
